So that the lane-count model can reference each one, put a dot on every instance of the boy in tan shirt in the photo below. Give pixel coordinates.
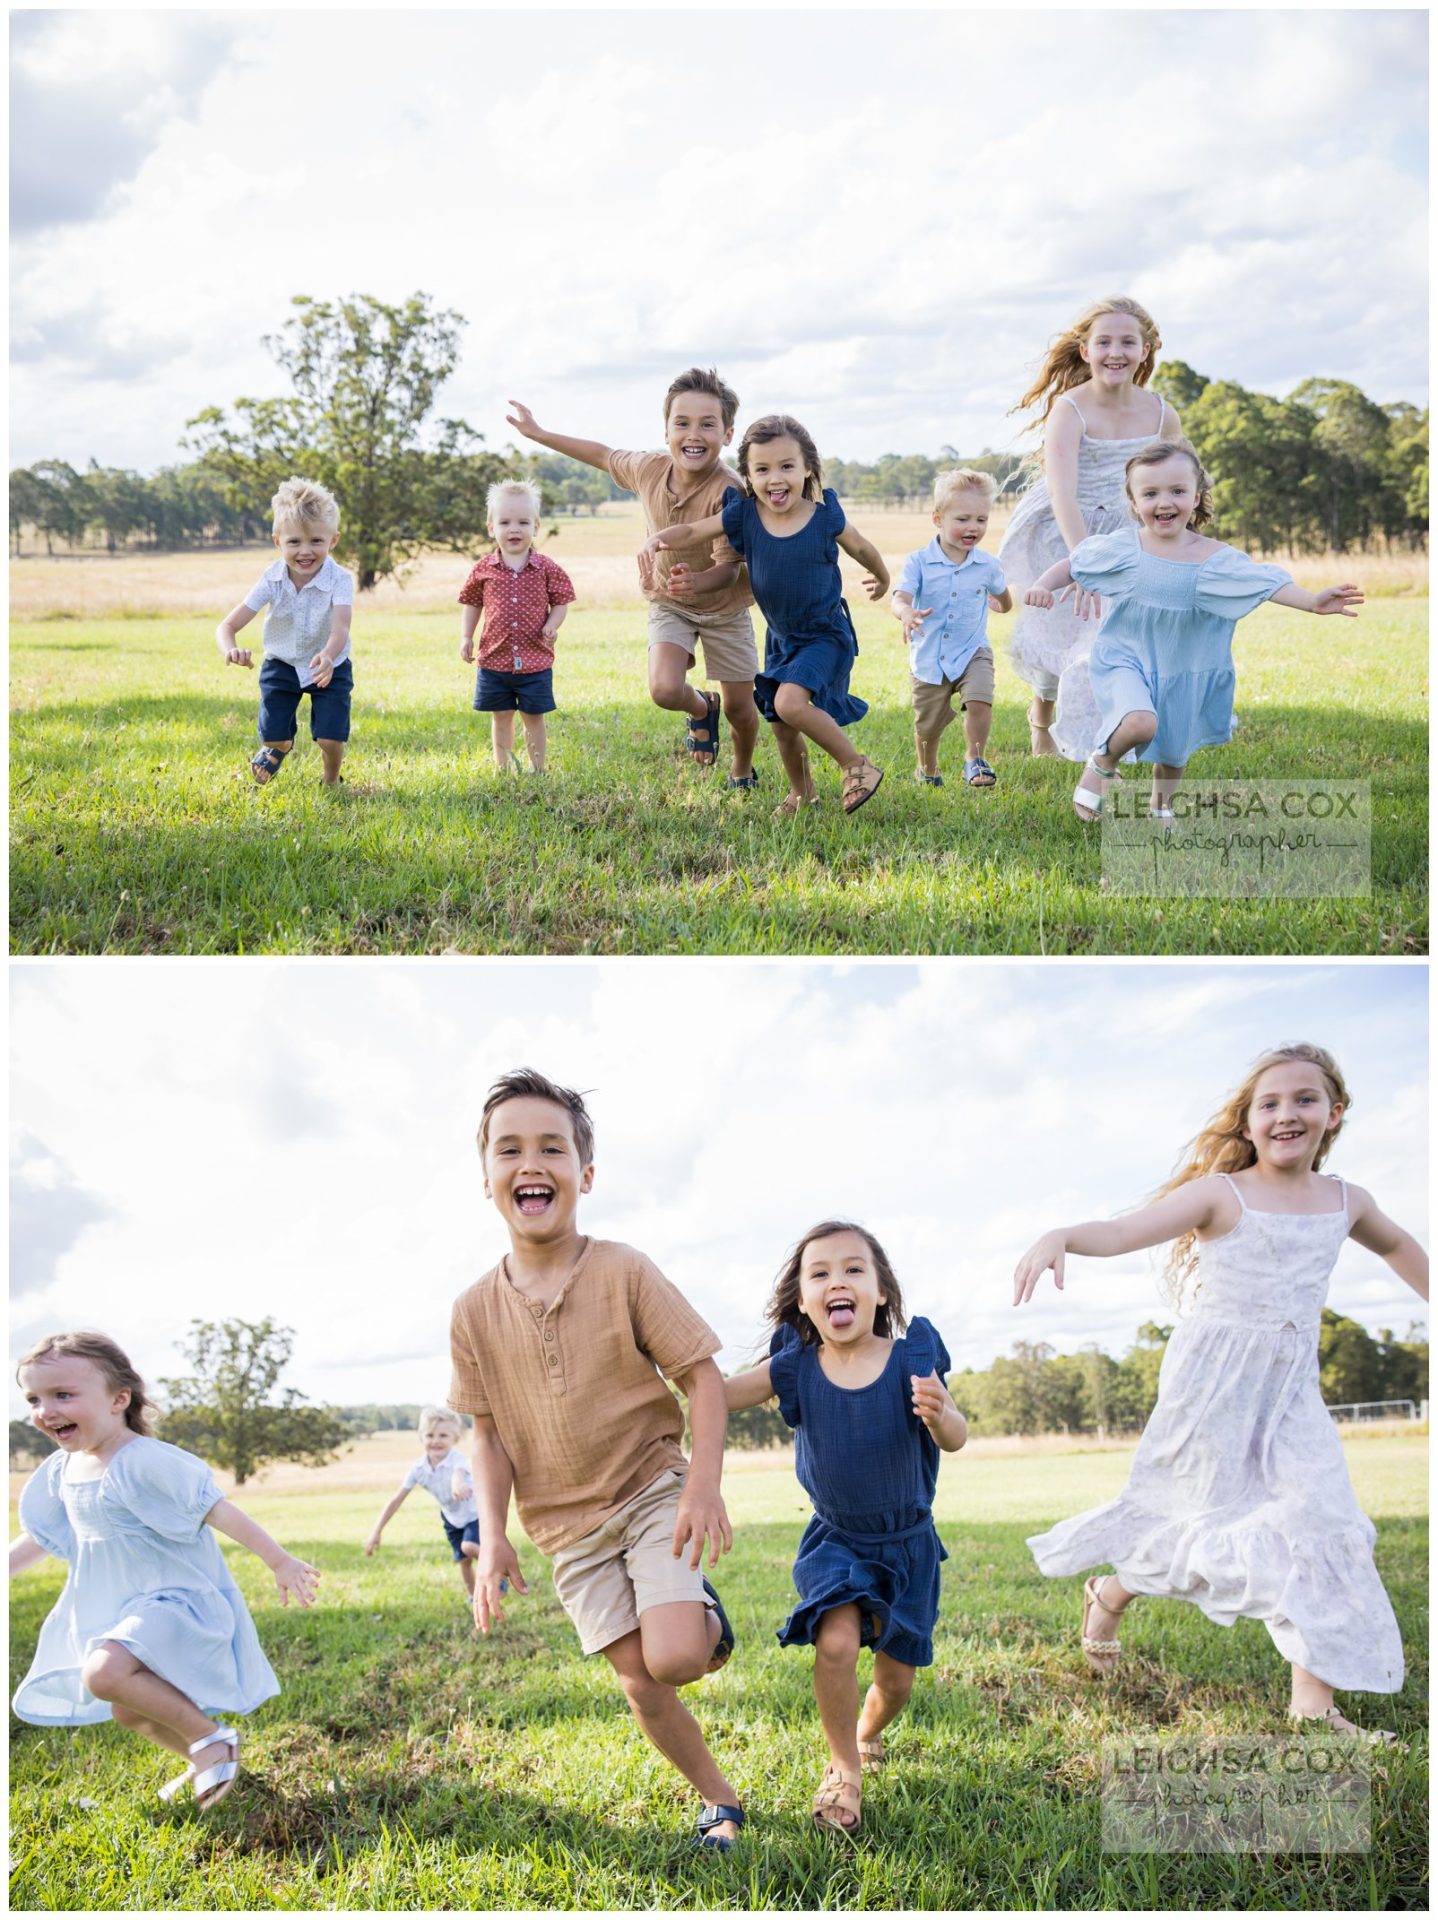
(559, 1354)
(683, 484)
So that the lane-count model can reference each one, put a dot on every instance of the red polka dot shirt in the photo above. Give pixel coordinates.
(516, 604)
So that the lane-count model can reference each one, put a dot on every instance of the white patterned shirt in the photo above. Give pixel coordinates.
(440, 1482)
(297, 624)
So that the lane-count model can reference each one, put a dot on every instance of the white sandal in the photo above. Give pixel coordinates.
(1102, 1655)
(1336, 1722)
(215, 1782)
(1087, 803)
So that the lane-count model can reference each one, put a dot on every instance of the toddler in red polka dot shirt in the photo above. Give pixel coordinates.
(524, 597)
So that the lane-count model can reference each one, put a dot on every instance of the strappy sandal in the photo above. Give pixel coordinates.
(715, 1816)
(1333, 1721)
(1088, 805)
(1102, 1655)
(215, 1782)
(702, 732)
(724, 1645)
(839, 1792)
(265, 764)
(1050, 752)
(861, 783)
(793, 803)
(872, 1756)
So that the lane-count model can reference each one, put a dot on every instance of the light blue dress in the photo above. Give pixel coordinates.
(1165, 645)
(144, 1571)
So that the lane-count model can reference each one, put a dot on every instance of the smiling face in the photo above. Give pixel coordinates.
(839, 1288)
(696, 433)
(1289, 1114)
(304, 549)
(72, 1400)
(963, 520)
(437, 1441)
(532, 1169)
(777, 473)
(514, 525)
(1114, 350)
(1164, 494)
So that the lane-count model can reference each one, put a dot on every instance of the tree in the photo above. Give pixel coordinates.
(1349, 1368)
(364, 376)
(225, 1411)
(28, 1443)
(1178, 383)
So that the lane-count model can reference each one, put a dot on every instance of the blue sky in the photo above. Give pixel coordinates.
(224, 1138)
(873, 219)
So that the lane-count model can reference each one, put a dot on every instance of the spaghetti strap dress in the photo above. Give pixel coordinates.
(1049, 647)
(809, 638)
(870, 1466)
(1239, 1498)
(146, 1572)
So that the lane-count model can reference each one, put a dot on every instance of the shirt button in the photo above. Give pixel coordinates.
(549, 1333)
(554, 1359)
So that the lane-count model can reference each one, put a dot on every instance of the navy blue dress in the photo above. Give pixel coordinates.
(869, 1464)
(810, 638)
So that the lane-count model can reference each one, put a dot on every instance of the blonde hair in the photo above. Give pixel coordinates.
(501, 487)
(1223, 1146)
(1159, 450)
(102, 1352)
(435, 1417)
(304, 503)
(962, 480)
(1064, 366)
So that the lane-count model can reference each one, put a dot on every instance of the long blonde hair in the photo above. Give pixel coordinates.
(1223, 1147)
(1064, 366)
(101, 1351)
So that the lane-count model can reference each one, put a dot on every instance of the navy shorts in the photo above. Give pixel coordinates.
(496, 692)
(281, 693)
(458, 1535)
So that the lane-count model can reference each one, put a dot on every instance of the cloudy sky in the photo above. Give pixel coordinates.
(873, 219)
(221, 1139)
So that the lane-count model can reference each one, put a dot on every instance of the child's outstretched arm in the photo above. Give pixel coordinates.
(876, 580)
(690, 534)
(1189, 1206)
(1330, 600)
(701, 1505)
(909, 616)
(748, 1389)
(1063, 431)
(231, 652)
(292, 1575)
(592, 452)
(1375, 1231)
(25, 1552)
(1002, 602)
(1059, 583)
(392, 1507)
(934, 1405)
(493, 1484)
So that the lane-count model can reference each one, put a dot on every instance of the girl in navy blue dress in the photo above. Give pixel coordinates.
(870, 1412)
(789, 527)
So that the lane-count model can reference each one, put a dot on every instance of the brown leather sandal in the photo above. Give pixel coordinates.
(1102, 1655)
(872, 1756)
(861, 783)
(839, 1792)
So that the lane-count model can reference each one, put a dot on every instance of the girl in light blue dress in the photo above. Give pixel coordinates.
(1161, 668)
(150, 1628)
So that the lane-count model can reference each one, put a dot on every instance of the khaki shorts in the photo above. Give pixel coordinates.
(933, 705)
(626, 1566)
(727, 639)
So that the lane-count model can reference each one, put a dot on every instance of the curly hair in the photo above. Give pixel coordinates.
(526, 1082)
(1157, 450)
(782, 426)
(102, 1352)
(1064, 366)
(783, 1309)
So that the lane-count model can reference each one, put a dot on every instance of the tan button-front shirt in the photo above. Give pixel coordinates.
(649, 475)
(575, 1392)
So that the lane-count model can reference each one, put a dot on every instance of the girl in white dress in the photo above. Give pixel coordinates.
(151, 1627)
(1094, 415)
(1239, 1499)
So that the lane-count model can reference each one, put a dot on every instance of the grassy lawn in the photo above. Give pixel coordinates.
(409, 1765)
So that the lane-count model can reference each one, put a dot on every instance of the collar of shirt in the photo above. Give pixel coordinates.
(325, 577)
(496, 563)
(935, 551)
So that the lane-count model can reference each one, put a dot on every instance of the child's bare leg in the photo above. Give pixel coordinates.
(978, 718)
(1134, 730)
(795, 760)
(1041, 718)
(1165, 779)
(1310, 1695)
(795, 707)
(535, 738)
(667, 1723)
(927, 744)
(743, 718)
(466, 1570)
(503, 737)
(887, 1697)
(155, 1731)
(112, 1673)
(836, 1684)
(668, 680)
(332, 752)
(1107, 1610)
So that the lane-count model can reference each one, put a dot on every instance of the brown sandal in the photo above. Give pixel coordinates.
(839, 1792)
(1050, 752)
(1102, 1655)
(1335, 1722)
(793, 803)
(872, 1757)
(861, 783)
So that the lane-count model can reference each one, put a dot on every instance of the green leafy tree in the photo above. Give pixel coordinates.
(364, 376)
(27, 1443)
(1349, 1367)
(1178, 383)
(230, 1409)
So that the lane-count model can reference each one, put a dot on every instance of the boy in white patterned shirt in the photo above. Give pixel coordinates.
(307, 632)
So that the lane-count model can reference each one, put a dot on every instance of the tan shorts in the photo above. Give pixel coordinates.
(933, 705)
(626, 1566)
(727, 638)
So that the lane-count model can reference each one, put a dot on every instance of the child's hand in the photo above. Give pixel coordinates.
(911, 618)
(1037, 597)
(652, 546)
(1046, 1252)
(323, 669)
(295, 1577)
(521, 417)
(1086, 605)
(680, 582)
(932, 1402)
(466, 651)
(874, 586)
(237, 656)
(495, 1563)
(371, 1544)
(701, 1514)
(546, 632)
(1339, 600)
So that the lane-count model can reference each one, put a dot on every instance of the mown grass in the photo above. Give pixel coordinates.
(410, 1765)
(136, 829)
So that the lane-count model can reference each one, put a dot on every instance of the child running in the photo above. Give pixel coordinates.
(307, 633)
(150, 1628)
(525, 597)
(561, 1353)
(1096, 368)
(789, 527)
(1161, 668)
(443, 1472)
(949, 651)
(870, 1412)
(1239, 1499)
(682, 485)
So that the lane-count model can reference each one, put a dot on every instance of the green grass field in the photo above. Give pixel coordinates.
(410, 1765)
(136, 828)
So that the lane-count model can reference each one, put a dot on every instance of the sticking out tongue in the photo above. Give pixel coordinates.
(841, 1316)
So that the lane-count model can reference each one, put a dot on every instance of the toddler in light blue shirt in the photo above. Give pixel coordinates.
(942, 601)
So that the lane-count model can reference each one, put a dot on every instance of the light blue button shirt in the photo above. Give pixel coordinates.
(957, 595)
(298, 622)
